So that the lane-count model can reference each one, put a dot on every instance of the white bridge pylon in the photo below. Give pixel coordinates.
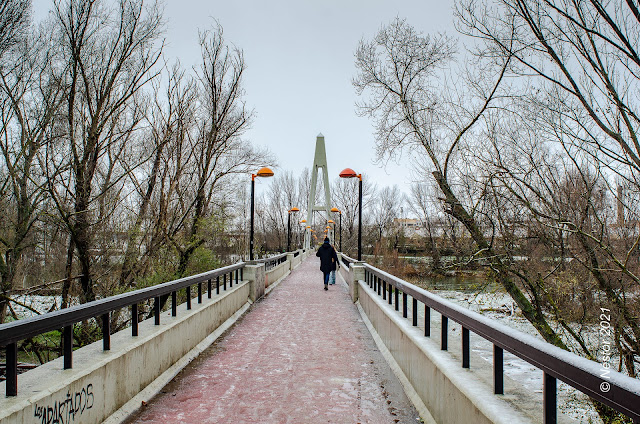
(319, 162)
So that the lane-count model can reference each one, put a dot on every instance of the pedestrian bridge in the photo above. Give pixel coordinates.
(263, 342)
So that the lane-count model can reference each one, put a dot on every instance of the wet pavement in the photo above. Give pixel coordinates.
(301, 355)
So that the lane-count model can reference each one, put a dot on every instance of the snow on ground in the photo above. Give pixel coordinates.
(27, 303)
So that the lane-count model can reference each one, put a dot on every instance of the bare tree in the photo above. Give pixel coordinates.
(278, 200)
(586, 52)
(171, 117)
(581, 65)
(31, 95)
(422, 203)
(219, 152)
(385, 209)
(399, 70)
(14, 20)
(112, 54)
(345, 197)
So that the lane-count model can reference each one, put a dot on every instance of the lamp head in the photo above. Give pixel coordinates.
(262, 172)
(350, 173)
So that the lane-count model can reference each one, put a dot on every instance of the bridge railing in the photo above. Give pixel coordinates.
(11, 333)
(272, 261)
(346, 260)
(612, 388)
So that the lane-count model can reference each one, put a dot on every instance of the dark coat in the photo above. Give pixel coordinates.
(328, 258)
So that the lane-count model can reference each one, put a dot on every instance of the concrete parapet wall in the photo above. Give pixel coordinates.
(277, 273)
(100, 382)
(256, 276)
(450, 393)
(294, 261)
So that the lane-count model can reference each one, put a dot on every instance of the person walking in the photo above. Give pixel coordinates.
(328, 260)
(335, 265)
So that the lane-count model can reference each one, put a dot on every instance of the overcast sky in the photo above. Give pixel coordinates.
(300, 62)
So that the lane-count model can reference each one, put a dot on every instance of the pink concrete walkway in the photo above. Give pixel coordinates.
(301, 355)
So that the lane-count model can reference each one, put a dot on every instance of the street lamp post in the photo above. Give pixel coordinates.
(262, 172)
(340, 212)
(294, 210)
(302, 233)
(350, 173)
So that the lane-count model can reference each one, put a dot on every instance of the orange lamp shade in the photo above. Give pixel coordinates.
(331, 221)
(303, 221)
(264, 172)
(335, 210)
(348, 173)
(308, 226)
(294, 209)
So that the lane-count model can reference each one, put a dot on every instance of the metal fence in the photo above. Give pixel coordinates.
(273, 261)
(346, 261)
(64, 319)
(617, 390)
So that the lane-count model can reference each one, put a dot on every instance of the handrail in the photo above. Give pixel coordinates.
(11, 333)
(620, 392)
(272, 258)
(348, 259)
(272, 261)
(22, 329)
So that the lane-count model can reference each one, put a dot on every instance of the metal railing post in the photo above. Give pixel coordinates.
(106, 332)
(397, 296)
(174, 303)
(134, 320)
(465, 348)
(12, 369)
(549, 399)
(156, 310)
(444, 342)
(427, 321)
(67, 342)
(404, 304)
(498, 370)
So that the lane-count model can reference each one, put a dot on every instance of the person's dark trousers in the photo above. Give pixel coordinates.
(326, 277)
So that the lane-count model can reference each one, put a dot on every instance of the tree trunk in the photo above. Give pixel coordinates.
(127, 273)
(500, 270)
(82, 244)
(68, 269)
